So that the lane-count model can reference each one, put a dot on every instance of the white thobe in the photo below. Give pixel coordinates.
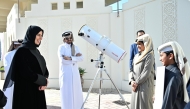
(9, 91)
(69, 78)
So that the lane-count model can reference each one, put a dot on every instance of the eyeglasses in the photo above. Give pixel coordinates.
(67, 33)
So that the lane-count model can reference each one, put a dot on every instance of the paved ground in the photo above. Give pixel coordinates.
(110, 99)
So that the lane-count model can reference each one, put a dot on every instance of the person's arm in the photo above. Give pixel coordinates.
(61, 56)
(132, 78)
(171, 93)
(26, 70)
(46, 73)
(131, 58)
(77, 58)
(6, 63)
(41, 80)
(146, 70)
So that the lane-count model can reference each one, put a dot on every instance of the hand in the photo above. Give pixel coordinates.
(42, 88)
(78, 54)
(66, 58)
(132, 83)
(134, 86)
(134, 89)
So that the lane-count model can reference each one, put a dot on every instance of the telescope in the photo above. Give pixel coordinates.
(102, 43)
(106, 46)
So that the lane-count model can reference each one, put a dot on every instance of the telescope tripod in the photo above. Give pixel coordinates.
(101, 68)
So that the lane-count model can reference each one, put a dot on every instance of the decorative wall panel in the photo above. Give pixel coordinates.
(139, 15)
(43, 23)
(92, 22)
(169, 20)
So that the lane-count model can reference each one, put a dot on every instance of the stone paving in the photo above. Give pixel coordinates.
(110, 99)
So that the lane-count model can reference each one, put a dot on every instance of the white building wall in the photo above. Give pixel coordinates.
(183, 24)
(116, 35)
(3, 45)
(150, 15)
(11, 26)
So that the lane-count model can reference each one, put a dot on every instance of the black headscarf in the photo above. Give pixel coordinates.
(29, 43)
(30, 37)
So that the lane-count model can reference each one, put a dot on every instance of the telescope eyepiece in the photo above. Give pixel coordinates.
(81, 34)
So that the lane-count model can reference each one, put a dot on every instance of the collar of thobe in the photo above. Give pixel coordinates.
(169, 67)
(15, 49)
(140, 53)
(68, 45)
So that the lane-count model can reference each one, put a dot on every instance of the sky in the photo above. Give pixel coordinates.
(114, 6)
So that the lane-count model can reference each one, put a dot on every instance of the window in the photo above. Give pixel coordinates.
(66, 5)
(79, 4)
(54, 6)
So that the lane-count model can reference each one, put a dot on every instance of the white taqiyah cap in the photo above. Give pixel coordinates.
(166, 49)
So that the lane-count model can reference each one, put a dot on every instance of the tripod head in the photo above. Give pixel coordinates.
(99, 61)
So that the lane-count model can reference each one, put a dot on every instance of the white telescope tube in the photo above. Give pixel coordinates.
(102, 43)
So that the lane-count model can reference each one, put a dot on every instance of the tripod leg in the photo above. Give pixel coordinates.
(116, 89)
(89, 90)
(100, 89)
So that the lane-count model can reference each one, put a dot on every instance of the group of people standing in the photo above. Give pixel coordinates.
(142, 67)
(27, 74)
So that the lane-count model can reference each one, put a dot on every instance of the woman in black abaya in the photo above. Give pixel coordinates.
(28, 73)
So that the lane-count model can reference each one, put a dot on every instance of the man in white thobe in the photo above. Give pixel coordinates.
(69, 78)
(7, 63)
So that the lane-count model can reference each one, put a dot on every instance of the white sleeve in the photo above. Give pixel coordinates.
(61, 54)
(6, 63)
(77, 58)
